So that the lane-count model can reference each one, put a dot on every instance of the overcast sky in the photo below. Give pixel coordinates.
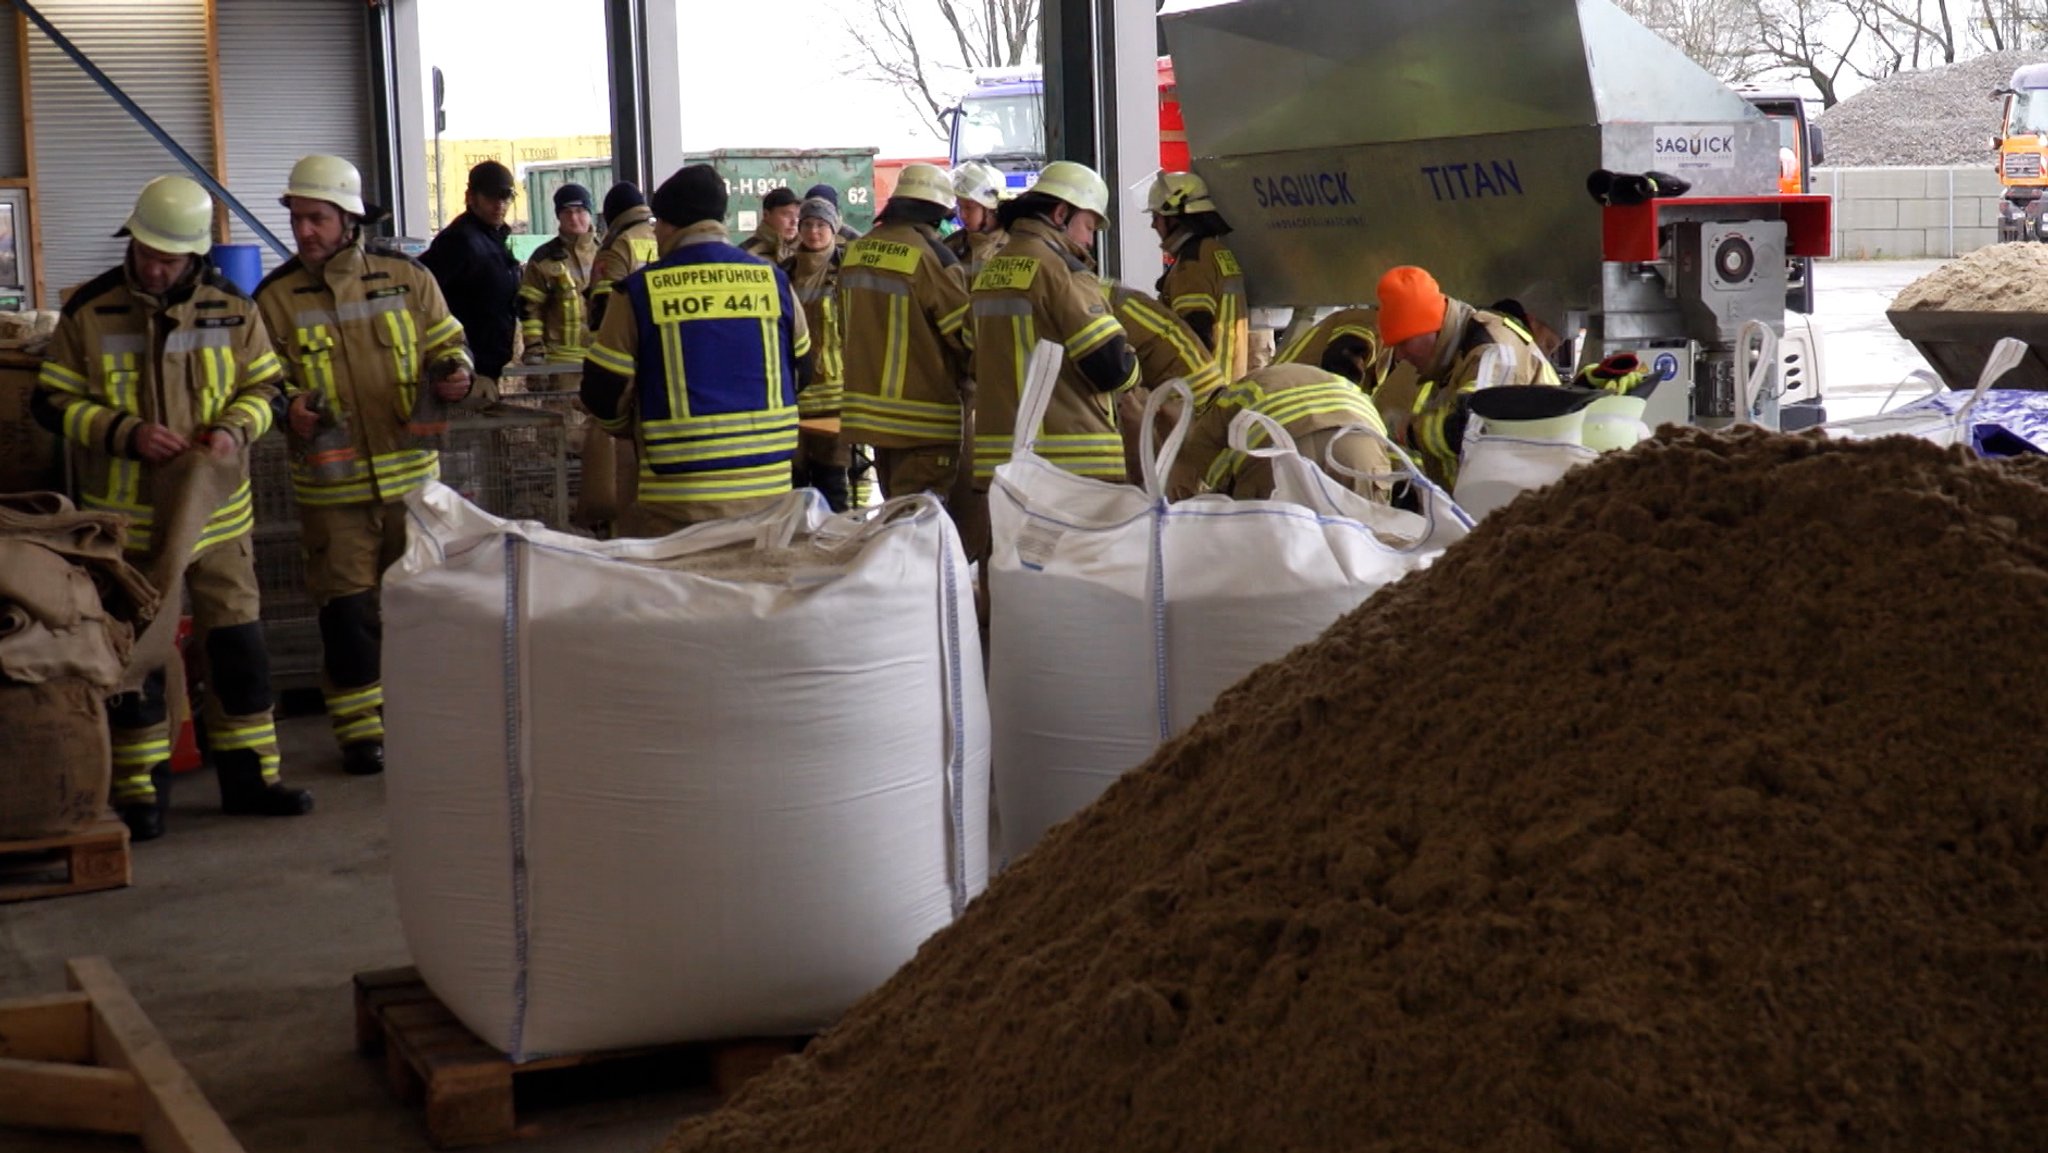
(781, 79)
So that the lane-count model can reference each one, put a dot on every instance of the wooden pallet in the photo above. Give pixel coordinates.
(93, 858)
(475, 1095)
(90, 1061)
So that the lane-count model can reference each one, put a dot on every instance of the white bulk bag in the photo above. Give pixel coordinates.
(1117, 618)
(1494, 470)
(643, 791)
(1296, 480)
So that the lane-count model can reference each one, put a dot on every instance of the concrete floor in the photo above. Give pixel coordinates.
(1863, 356)
(239, 938)
(240, 934)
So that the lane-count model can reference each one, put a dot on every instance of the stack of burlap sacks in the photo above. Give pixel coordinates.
(70, 611)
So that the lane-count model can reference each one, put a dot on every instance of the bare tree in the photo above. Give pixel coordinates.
(1810, 40)
(925, 49)
(2002, 25)
(1712, 32)
(1909, 34)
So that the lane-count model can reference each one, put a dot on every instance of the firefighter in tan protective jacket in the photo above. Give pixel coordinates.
(1447, 341)
(554, 288)
(629, 245)
(152, 361)
(978, 188)
(1205, 284)
(364, 336)
(1043, 287)
(903, 304)
(1346, 342)
(822, 458)
(1313, 405)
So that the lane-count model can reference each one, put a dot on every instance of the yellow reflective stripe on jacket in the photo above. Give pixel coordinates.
(1095, 454)
(385, 477)
(405, 354)
(1205, 378)
(1341, 398)
(1092, 336)
(611, 360)
(821, 399)
(231, 520)
(257, 415)
(713, 484)
(863, 413)
(446, 329)
(63, 379)
(693, 440)
(1428, 426)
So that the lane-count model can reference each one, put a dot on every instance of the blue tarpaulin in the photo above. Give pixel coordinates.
(2007, 422)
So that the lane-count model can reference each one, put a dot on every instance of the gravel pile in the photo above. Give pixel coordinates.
(1936, 116)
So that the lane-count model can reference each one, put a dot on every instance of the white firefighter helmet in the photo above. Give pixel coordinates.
(926, 182)
(981, 183)
(328, 178)
(1178, 194)
(1075, 184)
(173, 214)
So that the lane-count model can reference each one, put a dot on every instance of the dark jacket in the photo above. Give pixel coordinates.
(480, 277)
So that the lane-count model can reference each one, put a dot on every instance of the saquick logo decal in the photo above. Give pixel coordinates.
(1686, 146)
(1303, 190)
(1305, 199)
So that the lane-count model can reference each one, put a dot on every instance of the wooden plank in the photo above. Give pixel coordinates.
(470, 1105)
(374, 992)
(57, 1027)
(470, 1089)
(70, 1098)
(107, 828)
(90, 860)
(176, 1116)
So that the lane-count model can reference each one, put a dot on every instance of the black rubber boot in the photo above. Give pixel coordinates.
(146, 821)
(244, 792)
(363, 759)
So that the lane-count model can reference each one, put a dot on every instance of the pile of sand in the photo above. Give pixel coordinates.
(1695, 803)
(1932, 117)
(2000, 278)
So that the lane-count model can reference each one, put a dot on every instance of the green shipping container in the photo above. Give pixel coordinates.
(537, 199)
(751, 173)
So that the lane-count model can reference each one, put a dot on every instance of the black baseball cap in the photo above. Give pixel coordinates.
(492, 179)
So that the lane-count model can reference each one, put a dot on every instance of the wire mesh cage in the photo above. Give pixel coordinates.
(511, 461)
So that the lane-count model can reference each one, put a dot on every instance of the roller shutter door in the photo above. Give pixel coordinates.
(91, 159)
(292, 80)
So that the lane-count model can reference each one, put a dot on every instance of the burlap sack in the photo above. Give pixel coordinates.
(55, 758)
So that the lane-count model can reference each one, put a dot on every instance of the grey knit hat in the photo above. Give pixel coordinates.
(819, 208)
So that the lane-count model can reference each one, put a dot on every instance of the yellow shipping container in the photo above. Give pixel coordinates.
(459, 156)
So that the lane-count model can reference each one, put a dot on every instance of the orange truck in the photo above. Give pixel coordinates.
(2022, 146)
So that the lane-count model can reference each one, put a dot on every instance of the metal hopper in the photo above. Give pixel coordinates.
(1343, 137)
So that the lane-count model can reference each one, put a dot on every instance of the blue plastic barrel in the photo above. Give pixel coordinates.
(241, 263)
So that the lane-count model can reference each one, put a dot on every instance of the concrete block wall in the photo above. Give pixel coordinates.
(1911, 213)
